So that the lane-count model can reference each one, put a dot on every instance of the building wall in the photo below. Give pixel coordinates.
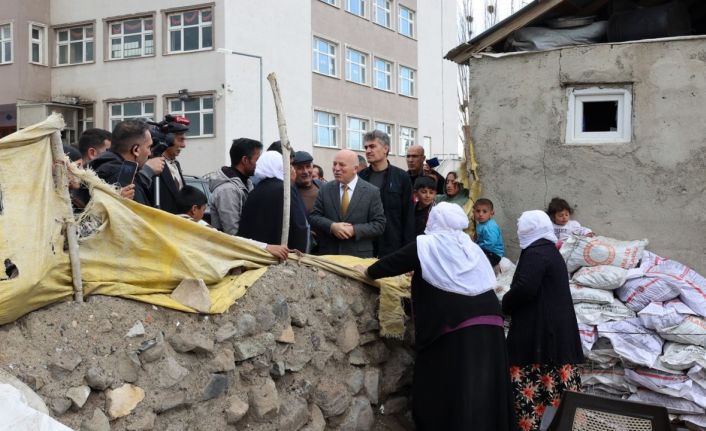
(651, 188)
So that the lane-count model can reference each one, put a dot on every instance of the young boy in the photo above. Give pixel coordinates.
(191, 204)
(425, 194)
(488, 235)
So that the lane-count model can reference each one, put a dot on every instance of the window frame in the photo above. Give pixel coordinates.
(365, 121)
(365, 67)
(122, 117)
(391, 135)
(167, 28)
(401, 80)
(363, 3)
(577, 96)
(202, 111)
(388, 11)
(84, 41)
(109, 37)
(315, 53)
(42, 42)
(11, 41)
(402, 148)
(336, 128)
(412, 21)
(391, 75)
(333, 3)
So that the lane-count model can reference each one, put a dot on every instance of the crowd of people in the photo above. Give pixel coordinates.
(467, 374)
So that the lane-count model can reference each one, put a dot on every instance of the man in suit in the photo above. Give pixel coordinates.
(347, 213)
(171, 180)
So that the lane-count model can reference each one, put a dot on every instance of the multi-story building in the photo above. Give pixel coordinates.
(344, 67)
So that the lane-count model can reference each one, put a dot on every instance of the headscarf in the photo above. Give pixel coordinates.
(450, 261)
(534, 225)
(269, 165)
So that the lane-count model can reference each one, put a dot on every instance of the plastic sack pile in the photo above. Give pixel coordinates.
(642, 322)
(127, 249)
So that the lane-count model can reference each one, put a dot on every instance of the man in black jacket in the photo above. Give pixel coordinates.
(171, 180)
(395, 193)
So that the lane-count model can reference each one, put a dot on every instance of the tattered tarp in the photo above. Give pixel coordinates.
(133, 251)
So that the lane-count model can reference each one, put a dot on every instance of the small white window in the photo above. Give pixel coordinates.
(190, 30)
(324, 57)
(599, 116)
(74, 45)
(356, 7)
(85, 118)
(383, 75)
(356, 66)
(199, 110)
(381, 12)
(120, 111)
(387, 128)
(325, 129)
(408, 137)
(37, 38)
(6, 43)
(131, 38)
(406, 24)
(355, 129)
(406, 81)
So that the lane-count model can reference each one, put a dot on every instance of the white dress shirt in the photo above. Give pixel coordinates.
(351, 187)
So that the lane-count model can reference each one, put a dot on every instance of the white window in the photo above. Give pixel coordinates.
(325, 129)
(356, 7)
(74, 45)
(324, 57)
(383, 75)
(85, 118)
(408, 137)
(131, 38)
(381, 12)
(406, 24)
(190, 30)
(356, 66)
(599, 116)
(355, 129)
(37, 43)
(6, 43)
(387, 128)
(406, 81)
(120, 111)
(199, 110)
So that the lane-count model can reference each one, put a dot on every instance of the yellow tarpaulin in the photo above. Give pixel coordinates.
(132, 250)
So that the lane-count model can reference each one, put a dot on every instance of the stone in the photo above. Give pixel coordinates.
(98, 422)
(317, 422)
(281, 311)
(193, 293)
(252, 347)
(264, 400)
(293, 414)
(396, 372)
(172, 401)
(104, 326)
(128, 366)
(59, 405)
(298, 315)
(355, 381)
(216, 386)
(320, 359)
(331, 397)
(143, 421)
(223, 361)
(357, 306)
(265, 318)
(367, 338)
(277, 370)
(339, 307)
(348, 337)
(296, 359)
(123, 400)
(394, 405)
(64, 362)
(246, 324)
(322, 274)
(170, 372)
(377, 353)
(226, 332)
(370, 324)
(191, 342)
(78, 395)
(360, 417)
(153, 349)
(357, 357)
(315, 341)
(372, 384)
(287, 335)
(97, 378)
(236, 410)
(137, 330)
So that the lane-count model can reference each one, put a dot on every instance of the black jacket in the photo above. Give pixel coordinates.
(440, 181)
(107, 167)
(168, 189)
(543, 329)
(261, 218)
(397, 203)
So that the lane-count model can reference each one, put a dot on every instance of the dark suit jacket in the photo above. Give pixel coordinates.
(365, 213)
(168, 190)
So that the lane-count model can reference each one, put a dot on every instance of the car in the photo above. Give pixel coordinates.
(202, 185)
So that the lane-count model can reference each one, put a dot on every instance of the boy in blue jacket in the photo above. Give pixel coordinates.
(489, 237)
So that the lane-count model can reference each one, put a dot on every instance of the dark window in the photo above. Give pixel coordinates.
(600, 116)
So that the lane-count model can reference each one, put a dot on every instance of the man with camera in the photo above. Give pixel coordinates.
(169, 138)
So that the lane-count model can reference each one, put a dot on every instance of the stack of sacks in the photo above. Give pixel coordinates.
(643, 329)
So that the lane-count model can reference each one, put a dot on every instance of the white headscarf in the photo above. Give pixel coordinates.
(269, 165)
(450, 260)
(534, 225)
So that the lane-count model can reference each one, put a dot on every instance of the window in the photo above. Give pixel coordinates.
(408, 137)
(406, 24)
(381, 12)
(324, 57)
(387, 128)
(120, 111)
(406, 81)
(199, 110)
(331, 2)
(86, 118)
(74, 45)
(131, 38)
(37, 43)
(599, 116)
(325, 129)
(356, 7)
(356, 66)
(355, 129)
(190, 30)
(383, 75)
(6, 43)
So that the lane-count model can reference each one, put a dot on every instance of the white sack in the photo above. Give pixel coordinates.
(661, 315)
(581, 251)
(587, 294)
(594, 314)
(504, 278)
(610, 380)
(697, 420)
(16, 414)
(674, 385)
(690, 331)
(600, 277)
(698, 375)
(682, 356)
(674, 405)
(602, 354)
(632, 341)
(588, 335)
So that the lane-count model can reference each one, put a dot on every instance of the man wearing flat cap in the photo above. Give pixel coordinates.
(306, 185)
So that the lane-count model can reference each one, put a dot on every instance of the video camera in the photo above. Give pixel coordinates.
(163, 132)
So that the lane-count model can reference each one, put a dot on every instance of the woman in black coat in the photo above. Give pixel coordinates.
(543, 343)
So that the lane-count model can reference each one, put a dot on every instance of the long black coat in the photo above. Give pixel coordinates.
(543, 329)
(261, 218)
(168, 189)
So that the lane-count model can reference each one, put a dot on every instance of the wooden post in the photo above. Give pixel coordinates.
(286, 151)
(61, 183)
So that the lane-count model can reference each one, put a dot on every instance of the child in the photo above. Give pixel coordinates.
(559, 212)
(191, 204)
(488, 235)
(424, 194)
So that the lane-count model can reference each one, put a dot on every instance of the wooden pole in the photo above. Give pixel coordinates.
(61, 183)
(286, 151)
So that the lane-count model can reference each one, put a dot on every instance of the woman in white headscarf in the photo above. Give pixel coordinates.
(461, 380)
(543, 343)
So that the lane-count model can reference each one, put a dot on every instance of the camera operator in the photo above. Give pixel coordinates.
(169, 138)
